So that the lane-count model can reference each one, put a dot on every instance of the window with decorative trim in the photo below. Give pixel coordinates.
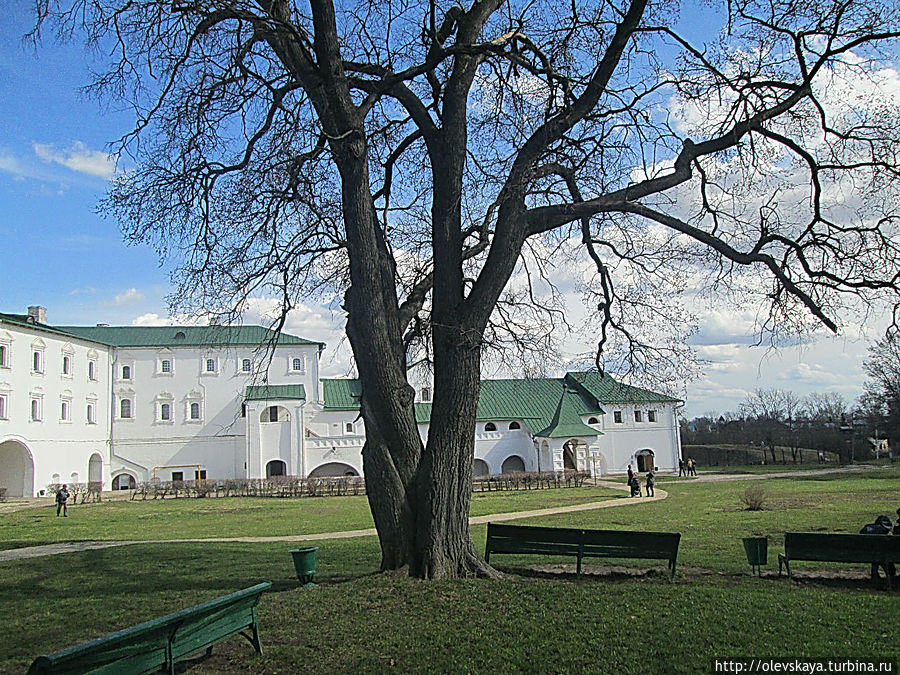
(4, 402)
(90, 414)
(298, 364)
(37, 408)
(37, 361)
(65, 411)
(126, 372)
(165, 412)
(210, 366)
(638, 416)
(195, 410)
(514, 425)
(67, 365)
(617, 416)
(490, 426)
(4, 356)
(165, 366)
(651, 416)
(125, 409)
(246, 365)
(92, 371)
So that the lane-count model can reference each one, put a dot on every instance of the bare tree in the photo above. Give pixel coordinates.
(770, 410)
(409, 155)
(882, 393)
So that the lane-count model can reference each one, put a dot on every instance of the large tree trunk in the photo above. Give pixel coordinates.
(444, 546)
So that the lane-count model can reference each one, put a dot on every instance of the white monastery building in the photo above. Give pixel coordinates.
(121, 405)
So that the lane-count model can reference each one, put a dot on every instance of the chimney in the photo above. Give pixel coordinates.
(102, 325)
(37, 314)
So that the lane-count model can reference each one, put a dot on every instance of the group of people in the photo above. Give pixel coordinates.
(688, 468)
(635, 484)
(883, 525)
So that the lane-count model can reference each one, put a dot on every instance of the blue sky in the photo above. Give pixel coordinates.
(59, 253)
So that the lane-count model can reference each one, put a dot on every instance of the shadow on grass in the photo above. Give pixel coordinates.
(593, 575)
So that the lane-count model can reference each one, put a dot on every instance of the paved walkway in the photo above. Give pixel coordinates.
(75, 546)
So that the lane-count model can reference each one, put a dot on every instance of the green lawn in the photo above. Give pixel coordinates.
(356, 620)
(241, 516)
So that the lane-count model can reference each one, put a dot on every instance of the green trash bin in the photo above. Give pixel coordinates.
(305, 563)
(757, 549)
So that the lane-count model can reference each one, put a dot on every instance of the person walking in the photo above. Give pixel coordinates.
(681, 471)
(649, 483)
(62, 496)
(630, 474)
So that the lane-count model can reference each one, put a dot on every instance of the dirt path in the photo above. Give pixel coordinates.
(75, 546)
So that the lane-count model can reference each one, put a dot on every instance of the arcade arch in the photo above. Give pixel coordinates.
(16, 469)
(333, 469)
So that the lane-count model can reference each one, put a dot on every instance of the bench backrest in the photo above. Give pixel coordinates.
(146, 647)
(831, 547)
(591, 543)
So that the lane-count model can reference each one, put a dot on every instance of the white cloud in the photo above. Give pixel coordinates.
(78, 157)
(130, 297)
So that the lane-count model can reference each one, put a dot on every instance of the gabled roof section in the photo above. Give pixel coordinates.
(27, 322)
(566, 419)
(605, 390)
(341, 394)
(275, 392)
(185, 336)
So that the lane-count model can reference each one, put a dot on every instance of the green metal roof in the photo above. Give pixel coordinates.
(607, 390)
(26, 321)
(184, 336)
(275, 392)
(552, 407)
(341, 394)
(567, 418)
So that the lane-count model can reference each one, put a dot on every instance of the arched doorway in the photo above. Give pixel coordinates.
(333, 469)
(573, 449)
(16, 469)
(276, 468)
(95, 469)
(644, 459)
(480, 468)
(275, 413)
(513, 464)
(124, 481)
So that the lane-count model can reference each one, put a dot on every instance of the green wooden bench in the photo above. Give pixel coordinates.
(582, 543)
(876, 549)
(161, 643)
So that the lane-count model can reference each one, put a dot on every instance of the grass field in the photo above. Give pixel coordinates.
(538, 619)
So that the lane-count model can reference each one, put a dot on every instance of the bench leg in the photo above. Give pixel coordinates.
(579, 567)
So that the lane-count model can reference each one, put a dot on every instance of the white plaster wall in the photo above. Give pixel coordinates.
(56, 445)
(620, 442)
(219, 441)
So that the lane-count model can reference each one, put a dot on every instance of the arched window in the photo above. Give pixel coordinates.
(514, 425)
(297, 364)
(246, 365)
(90, 414)
(490, 426)
(35, 410)
(64, 411)
(195, 411)
(276, 468)
(165, 412)
(3, 356)
(125, 409)
(480, 468)
(165, 366)
(91, 375)
(126, 372)
(513, 464)
(67, 365)
(210, 365)
(593, 420)
(36, 363)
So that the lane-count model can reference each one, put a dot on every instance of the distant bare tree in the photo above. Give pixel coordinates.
(426, 159)
(883, 386)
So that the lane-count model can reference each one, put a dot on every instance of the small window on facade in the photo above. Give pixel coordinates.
(297, 364)
(638, 416)
(67, 366)
(200, 474)
(165, 366)
(4, 356)
(64, 411)
(651, 415)
(165, 412)
(490, 426)
(90, 414)
(349, 427)
(617, 416)
(92, 375)
(177, 476)
(36, 363)
(125, 409)
(273, 414)
(35, 410)
(426, 393)
(2, 406)
(126, 372)
(195, 411)
(210, 365)
(514, 425)
(593, 420)
(246, 365)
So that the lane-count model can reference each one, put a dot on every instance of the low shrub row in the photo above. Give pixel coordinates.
(525, 480)
(275, 486)
(89, 492)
